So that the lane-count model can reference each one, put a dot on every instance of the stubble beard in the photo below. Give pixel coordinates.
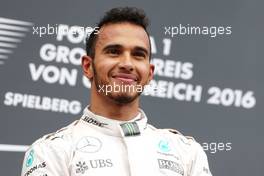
(118, 98)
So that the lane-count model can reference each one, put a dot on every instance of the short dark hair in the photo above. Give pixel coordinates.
(117, 15)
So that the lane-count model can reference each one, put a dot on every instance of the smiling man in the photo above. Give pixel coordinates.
(113, 137)
(119, 66)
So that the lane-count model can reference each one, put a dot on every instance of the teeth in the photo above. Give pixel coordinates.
(117, 77)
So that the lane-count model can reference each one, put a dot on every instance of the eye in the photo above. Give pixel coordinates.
(113, 51)
(139, 54)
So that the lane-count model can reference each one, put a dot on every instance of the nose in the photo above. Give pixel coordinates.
(126, 62)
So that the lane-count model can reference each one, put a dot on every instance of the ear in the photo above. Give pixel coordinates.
(87, 66)
(151, 72)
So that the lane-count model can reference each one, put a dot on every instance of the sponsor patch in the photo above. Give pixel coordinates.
(34, 168)
(83, 166)
(94, 121)
(89, 144)
(30, 158)
(130, 129)
(171, 165)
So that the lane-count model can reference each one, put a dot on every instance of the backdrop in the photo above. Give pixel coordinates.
(208, 79)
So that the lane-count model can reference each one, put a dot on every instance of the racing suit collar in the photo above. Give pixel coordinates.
(115, 127)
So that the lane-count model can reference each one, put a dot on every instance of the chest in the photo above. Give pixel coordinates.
(131, 156)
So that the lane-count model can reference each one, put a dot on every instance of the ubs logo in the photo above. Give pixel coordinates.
(82, 167)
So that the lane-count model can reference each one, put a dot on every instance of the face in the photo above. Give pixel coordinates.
(121, 66)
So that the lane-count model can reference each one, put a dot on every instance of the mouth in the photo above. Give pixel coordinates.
(125, 77)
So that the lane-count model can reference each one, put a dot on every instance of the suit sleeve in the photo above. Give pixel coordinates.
(44, 159)
(200, 166)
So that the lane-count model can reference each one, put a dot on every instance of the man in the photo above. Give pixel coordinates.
(113, 137)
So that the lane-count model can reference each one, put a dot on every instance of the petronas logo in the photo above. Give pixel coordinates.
(130, 129)
(30, 158)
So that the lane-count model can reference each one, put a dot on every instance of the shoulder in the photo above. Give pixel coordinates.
(58, 141)
(172, 133)
(177, 134)
(178, 138)
(49, 151)
(188, 144)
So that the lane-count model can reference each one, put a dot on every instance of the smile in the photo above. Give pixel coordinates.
(126, 78)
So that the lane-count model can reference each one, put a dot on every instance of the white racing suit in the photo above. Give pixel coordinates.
(98, 146)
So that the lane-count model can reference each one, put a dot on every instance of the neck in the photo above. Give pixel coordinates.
(103, 106)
